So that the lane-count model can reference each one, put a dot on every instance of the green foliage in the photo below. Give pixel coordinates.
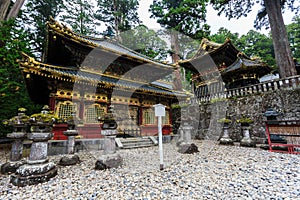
(35, 15)
(215, 100)
(80, 16)
(179, 106)
(224, 120)
(185, 16)
(293, 30)
(255, 44)
(223, 34)
(120, 15)
(145, 41)
(13, 94)
(245, 120)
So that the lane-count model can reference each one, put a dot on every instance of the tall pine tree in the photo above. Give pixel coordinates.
(185, 16)
(119, 15)
(80, 16)
(13, 94)
(36, 14)
(145, 41)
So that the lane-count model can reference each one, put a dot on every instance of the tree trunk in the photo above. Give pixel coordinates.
(175, 46)
(4, 4)
(283, 53)
(15, 9)
(116, 16)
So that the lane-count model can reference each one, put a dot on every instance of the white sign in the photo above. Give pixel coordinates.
(160, 110)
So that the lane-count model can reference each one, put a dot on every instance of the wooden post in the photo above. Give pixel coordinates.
(160, 112)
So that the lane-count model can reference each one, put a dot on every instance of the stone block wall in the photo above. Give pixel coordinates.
(205, 119)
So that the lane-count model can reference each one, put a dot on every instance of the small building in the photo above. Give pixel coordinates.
(217, 67)
(86, 75)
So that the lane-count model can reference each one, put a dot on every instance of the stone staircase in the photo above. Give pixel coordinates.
(138, 142)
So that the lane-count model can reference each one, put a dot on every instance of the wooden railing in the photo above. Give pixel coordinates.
(218, 90)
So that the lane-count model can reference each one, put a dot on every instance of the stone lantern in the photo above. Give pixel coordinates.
(245, 126)
(38, 169)
(110, 159)
(225, 139)
(19, 124)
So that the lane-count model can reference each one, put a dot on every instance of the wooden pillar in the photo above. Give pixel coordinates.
(140, 120)
(81, 108)
(52, 100)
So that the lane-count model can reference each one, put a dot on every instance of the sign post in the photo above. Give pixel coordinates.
(160, 112)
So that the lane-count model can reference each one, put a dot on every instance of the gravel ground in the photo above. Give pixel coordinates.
(216, 172)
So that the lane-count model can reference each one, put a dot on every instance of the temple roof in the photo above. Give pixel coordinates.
(70, 74)
(243, 66)
(225, 57)
(108, 51)
(210, 47)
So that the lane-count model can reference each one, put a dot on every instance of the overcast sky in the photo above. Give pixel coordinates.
(241, 26)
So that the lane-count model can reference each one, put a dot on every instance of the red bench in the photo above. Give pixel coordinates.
(288, 130)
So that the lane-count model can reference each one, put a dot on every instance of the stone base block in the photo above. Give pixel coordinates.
(11, 167)
(109, 161)
(69, 160)
(247, 142)
(186, 148)
(33, 174)
(226, 141)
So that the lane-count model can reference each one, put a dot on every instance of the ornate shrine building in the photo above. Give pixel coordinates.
(85, 75)
(217, 67)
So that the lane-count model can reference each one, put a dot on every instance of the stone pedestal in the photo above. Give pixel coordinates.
(38, 169)
(110, 159)
(185, 144)
(247, 141)
(16, 153)
(185, 134)
(71, 140)
(17, 145)
(109, 145)
(226, 140)
(70, 159)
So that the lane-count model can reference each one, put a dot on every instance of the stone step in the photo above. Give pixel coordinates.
(137, 143)
(134, 140)
(137, 146)
(129, 143)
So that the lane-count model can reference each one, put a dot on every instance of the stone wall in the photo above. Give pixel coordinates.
(286, 101)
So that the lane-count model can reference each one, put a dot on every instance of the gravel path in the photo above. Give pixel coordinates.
(216, 172)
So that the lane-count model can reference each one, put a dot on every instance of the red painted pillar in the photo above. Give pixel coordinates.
(52, 101)
(140, 115)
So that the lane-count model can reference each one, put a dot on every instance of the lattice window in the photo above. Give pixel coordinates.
(93, 112)
(65, 109)
(149, 116)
